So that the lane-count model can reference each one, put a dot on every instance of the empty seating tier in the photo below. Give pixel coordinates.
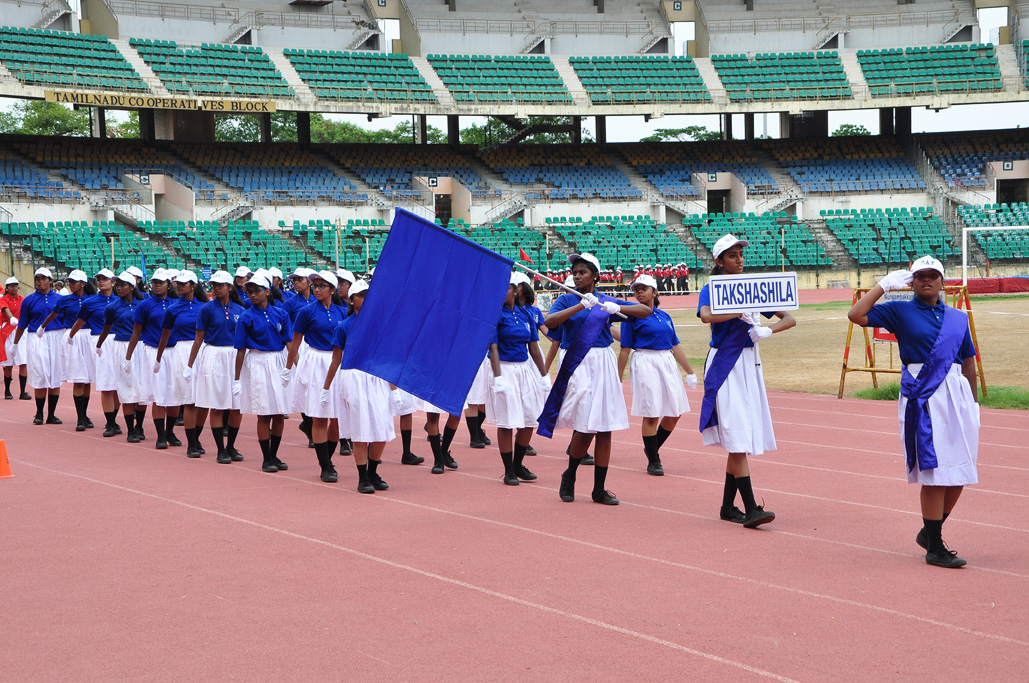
(782, 76)
(935, 69)
(766, 234)
(861, 164)
(360, 75)
(87, 246)
(213, 69)
(360, 243)
(575, 172)
(501, 78)
(621, 242)
(62, 59)
(999, 244)
(390, 168)
(20, 180)
(961, 158)
(640, 78)
(670, 166)
(507, 237)
(876, 236)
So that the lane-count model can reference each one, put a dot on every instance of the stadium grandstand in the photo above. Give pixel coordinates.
(830, 208)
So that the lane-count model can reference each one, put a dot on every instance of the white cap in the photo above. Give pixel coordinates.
(173, 272)
(260, 280)
(725, 242)
(518, 278)
(324, 275)
(344, 274)
(927, 263)
(78, 276)
(264, 272)
(186, 276)
(134, 271)
(105, 272)
(572, 258)
(45, 272)
(12, 281)
(647, 280)
(161, 274)
(221, 277)
(302, 273)
(358, 287)
(275, 272)
(127, 277)
(569, 281)
(243, 271)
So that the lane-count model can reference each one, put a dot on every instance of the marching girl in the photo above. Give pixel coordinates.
(12, 357)
(658, 395)
(526, 296)
(210, 367)
(939, 409)
(170, 385)
(119, 317)
(516, 395)
(475, 413)
(735, 412)
(155, 385)
(313, 328)
(593, 405)
(365, 403)
(44, 355)
(302, 297)
(91, 314)
(243, 274)
(79, 364)
(262, 334)
(345, 278)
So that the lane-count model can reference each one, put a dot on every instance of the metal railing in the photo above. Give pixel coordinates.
(173, 10)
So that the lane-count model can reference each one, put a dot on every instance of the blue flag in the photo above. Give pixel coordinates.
(142, 264)
(428, 318)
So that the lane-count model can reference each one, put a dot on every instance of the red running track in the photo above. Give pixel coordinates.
(121, 562)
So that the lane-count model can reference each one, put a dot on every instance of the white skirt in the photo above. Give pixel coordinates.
(261, 379)
(305, 391)
(143, 358)
(107, 368)
(408, 404)
(45, 359)
(518, 407)
(181, 390)
(213, 372)
(9, 348)
(128, 385)
(657, 388)
(955, 417)
(162, 382)
(366, 416)
(80, 358)
(427, 407)
(593, 402)
(744, 420)
(483, 380)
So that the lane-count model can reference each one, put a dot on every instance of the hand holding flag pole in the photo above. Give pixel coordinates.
(571, 290)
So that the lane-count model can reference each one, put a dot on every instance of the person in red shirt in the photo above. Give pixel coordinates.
(10, 309)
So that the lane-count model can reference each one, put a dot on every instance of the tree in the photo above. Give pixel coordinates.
(125, 129)
(247, 127)
(848, 129)
(39, 117)
(495, 132)
(687, 134)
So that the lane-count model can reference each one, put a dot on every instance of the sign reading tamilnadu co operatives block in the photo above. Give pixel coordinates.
(754, 292)
(119, 101)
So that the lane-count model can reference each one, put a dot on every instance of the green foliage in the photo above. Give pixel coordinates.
(125, 129)
(247, 127)
(885, 392)
(1008, 398)
(848, 129)
(39, 117)
(495, 132)
(687, 134)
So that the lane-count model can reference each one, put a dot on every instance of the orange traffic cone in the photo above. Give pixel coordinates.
(5, 467)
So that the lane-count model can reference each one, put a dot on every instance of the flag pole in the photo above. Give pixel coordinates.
(568, 289)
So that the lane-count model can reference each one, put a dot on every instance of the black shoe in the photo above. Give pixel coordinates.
(201, 451)
(88, 424)
(733, 514)
(223, 458)
(377, 482)
(80, 427)
(267, 467)
(411, 459)
(234, 455)
(365, 486)
(281, 465)
(476, 442)
(655, 469)
(310, 443)
(54, 420)
(945, 558)
(37, 420)
(179, 423)
(140, 434)
(25, 396)
(192, 452)
(510, 478)
(449, 461)
(529, 450)
(437, 468)
(117, 429)
(587, 460)
(133, 436)
(567, 490)
(523, 472)
(173, 441)
(306, 429)
(330, 476)
(345, 448)
(485, 439)
(605, 498)
(922, 539)
(110, 431)
(161, 445)
(757, 517)
(9, 396)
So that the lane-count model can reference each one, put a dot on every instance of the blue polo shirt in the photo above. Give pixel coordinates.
(342, 332)
(218, 323)
(92, 312)
(317, 323)
(181, 319)
(243, 297)
(297, 303)
(570, 328)
(515, 330)
(68, 309)
(150, 314)
(719, 330)
(916, 325)
(656, 332)
(263, 329)
(120, 315)
(35, 308)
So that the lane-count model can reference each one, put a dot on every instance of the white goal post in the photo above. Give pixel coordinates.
(964, 244)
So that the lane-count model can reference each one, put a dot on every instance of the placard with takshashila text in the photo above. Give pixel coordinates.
(754, 292)
(115, 101)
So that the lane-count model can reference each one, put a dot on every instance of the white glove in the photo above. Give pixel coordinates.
(898, 279)
(611, 307)
(69, 340)
(126, 366)
(589, 301)
(287, 374)
(324, 398)
(978, 415)
(753, 318)
(99, 351)
(758, 332)
(237, 387)
(14, 321)
(691, 381)
(40, 331)
(187, 374)
(545, 383)
(157, 366)
(500, 385)
(397, 398)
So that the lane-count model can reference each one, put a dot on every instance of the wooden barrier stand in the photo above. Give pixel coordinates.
(959, 299)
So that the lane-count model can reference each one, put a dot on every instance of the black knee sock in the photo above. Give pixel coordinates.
(662, 436)
(80, 410)
(508, 460)
(746, 493)
(373, 467)
(573, 464)
(330, 447)
(448, 438)
(23, 380)
(266, 451)
(40, 404)
(729, 492)
(437, 449)
(275, 440)
(85, 407)
(51, 403)
(7, 384)
(130, 421)
(481, 418)
(650, 446)
(230, 441)
(140, 416)
(519, 456)
(473, 427)
(159, 426)
(112, 418)
(362, 472)
(933, 535)
(219, 438)
(405, 439)
(169, 427)
(319, 452)
(599, 479)
(191, 437)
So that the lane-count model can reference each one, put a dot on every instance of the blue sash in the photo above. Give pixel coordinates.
(918, 425)
(736, 337)
(578, 348)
